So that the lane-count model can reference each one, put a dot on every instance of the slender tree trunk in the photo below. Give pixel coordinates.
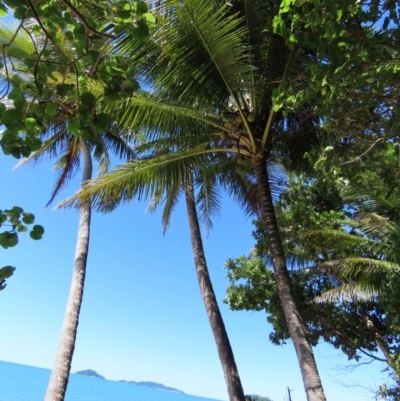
(308, 367)
(58, 382)
(380, 342)
(232, 379)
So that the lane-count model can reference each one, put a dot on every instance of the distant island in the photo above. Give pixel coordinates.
(153, 385)
(92, 373)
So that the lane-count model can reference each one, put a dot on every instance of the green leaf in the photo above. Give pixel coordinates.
(73, 127)
(20, 12)
(30, 123)
(149, 18)
(3, 240)
(33, 143)
(28, 218)
(87, 102)
(38, 229)
(12, 239)
(11, 115)
(6, 272)
(8, 136)
(17, 210)
(64, 89)
(102, 121)
(16, 80)
(50, 109)
(21, 228)
(16, 3)
(16, 93)
(35, 235)
(16, 152)
(275, 94)
(142, 7)
(25, 151)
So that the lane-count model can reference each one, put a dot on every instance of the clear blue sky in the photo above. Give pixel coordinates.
(142, 316)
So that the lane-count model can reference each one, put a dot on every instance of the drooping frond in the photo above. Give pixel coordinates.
(140, 179)
(57, 143)
(375, 225)
(341, 242)
(364, 271)
(349, 292)
(68, 164)
(113, 141)
(208, 199)
(157, 116)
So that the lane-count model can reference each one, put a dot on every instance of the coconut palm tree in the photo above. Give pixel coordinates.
(357, 257)
(199, 181)
(219, 64)
(68, 138)
(70, 149)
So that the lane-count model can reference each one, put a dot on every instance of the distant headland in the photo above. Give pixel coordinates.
(92, 373)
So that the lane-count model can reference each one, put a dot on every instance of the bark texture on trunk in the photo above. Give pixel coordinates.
(308, 367)
(232, 379)
(58, 382)
(380, 342)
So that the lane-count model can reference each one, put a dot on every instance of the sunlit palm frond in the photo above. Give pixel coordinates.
(158, 117)
(201, 53)
(140, 179)
(375, 225)
(364, 271)
(349, 292)
(341, 242)
(19, 46)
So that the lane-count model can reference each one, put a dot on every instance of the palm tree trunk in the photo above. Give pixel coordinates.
(62, 365)
(232, 379)
(308, 367)
(380, 342)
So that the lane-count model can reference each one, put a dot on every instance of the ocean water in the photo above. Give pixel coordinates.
(26, 383)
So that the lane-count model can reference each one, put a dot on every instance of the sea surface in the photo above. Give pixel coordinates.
(26, 383)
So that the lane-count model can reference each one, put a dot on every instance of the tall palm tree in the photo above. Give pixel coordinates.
(220, 65)
(357, 256)
(198, 179)
(68, 138)
(71, 149)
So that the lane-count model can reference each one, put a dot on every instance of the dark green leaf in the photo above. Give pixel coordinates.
(28, 218)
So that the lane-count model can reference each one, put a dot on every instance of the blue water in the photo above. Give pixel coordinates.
(26, 383)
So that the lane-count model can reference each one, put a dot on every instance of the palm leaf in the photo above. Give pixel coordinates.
(361, 270)
(349, 292)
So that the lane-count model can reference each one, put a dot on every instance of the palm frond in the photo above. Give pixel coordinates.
(341, 242)
(375, 225)
(68, 164)
(349, 292)
(208, 197)
(157, 116)
(200, 53)
(364, 271)
(51, 147)
(139, 179)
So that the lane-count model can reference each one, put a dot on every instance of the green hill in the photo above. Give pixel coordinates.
(91, 373)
